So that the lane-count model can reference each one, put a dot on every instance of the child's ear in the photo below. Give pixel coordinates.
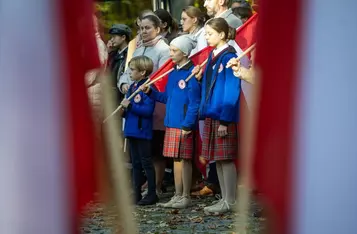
(143, 73)
(222, 35)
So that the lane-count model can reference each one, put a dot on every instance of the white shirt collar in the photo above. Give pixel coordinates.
(179, 67)
(220, 49)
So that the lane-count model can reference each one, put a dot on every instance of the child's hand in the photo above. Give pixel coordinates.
(145, 88)
(125, 103)
(198, 72)
(234, 63)
(185, 133)
(202, 160)
(222, 131)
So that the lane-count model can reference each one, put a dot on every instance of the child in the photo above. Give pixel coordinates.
(182, 101)
(138, 129)
(219, 107)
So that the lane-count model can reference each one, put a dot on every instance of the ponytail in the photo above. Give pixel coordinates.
(231, 33)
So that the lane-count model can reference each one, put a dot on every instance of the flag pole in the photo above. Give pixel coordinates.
(247, 152)
(114, 139)
(242, 54)
(136, 92)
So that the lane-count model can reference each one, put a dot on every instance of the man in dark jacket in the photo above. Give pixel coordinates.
(118, 50)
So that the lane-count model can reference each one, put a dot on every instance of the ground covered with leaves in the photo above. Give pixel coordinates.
(154, 219)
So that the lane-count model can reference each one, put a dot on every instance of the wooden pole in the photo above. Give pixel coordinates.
(114, 140)
(148, 82)
(247, 153)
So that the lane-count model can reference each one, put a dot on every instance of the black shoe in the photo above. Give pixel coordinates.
(148, 200)
(137, 197)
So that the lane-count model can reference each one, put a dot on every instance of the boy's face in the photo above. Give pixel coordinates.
(176, 55)
(135, 74)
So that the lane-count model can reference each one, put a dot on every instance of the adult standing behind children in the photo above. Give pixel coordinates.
(193, 20)
(219, 104)
(138, 127)
(182, 101)
(169, 27)
(118, 50)
(153, 46)
(220, 9)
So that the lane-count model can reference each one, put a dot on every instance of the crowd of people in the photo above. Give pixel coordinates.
(161, 127)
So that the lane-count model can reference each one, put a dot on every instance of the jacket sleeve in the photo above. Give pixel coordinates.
(194, 96)
(161, 96)
(145, 109)
(231, 94)
(158, 96)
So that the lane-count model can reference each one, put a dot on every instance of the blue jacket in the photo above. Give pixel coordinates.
(220, 89)
(182, 99)
(138, 115)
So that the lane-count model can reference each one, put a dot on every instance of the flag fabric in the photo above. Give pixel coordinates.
(197, 59)
(246, 34)
(46, 137)
(305, 148)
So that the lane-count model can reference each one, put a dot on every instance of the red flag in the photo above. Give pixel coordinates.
(80, 50)
(275, 115)
(246, 35)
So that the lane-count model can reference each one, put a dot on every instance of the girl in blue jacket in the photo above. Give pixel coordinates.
(219, 108)
(182, 101)
(138, 116)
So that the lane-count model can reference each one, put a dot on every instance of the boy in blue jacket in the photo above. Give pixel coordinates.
(182, 101)
(138, 116)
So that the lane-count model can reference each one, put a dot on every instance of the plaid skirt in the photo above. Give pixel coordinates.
(216, 148)
(177, 146)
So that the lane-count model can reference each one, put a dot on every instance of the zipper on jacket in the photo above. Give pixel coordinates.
(184, 110)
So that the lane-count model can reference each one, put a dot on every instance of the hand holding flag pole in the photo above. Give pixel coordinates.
(148, 82)
(230, 64)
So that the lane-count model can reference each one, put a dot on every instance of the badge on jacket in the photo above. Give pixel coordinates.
(137, 98)
(182, 84)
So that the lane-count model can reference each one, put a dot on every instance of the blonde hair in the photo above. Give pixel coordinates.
(142, 63)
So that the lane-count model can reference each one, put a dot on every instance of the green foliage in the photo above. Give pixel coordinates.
(123, 12)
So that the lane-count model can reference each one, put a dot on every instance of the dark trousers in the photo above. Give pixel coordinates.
(140, 152)
(212, 175)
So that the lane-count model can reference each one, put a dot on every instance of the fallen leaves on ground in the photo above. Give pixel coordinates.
(196, 219)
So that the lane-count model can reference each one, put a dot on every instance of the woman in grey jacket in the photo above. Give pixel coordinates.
(153, 46)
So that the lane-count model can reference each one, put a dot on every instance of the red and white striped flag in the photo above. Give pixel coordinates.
(46, 136)
(306, 151)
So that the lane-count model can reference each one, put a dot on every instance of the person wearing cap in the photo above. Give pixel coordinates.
(182, 98)
(244, 11)
(219, 8)
(118, 46)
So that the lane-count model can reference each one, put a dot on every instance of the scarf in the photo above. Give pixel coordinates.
(152, 42)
